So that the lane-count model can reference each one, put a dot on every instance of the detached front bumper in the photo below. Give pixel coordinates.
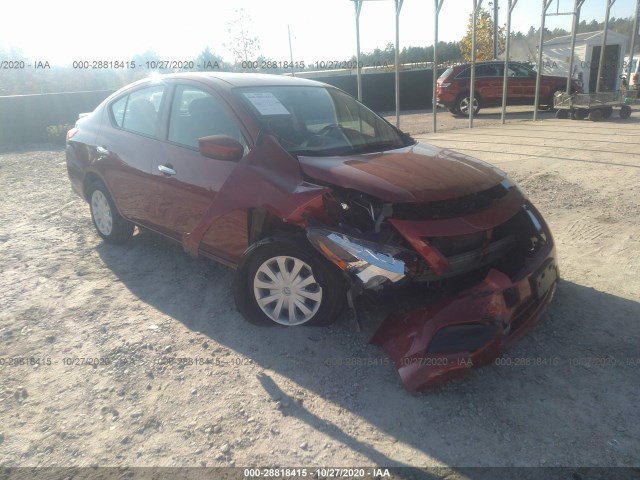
(444, 340)
(507, 242)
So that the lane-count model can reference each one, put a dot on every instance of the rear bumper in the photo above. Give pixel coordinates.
(74, 170)
(446, 100)
(444, 340)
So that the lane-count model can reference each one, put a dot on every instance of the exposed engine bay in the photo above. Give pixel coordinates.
(370, 231)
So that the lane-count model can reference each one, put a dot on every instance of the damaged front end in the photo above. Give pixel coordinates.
(489, 256)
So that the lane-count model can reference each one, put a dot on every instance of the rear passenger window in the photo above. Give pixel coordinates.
(196, 114)
(117, 110)
(464, 74)
(490, 70)
(138, 111)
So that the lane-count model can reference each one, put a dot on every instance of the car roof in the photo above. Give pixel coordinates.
(222, 81)
(486, 62)
(232, 79)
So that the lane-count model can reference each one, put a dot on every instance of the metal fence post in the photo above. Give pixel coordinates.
(505, 81)
(436, 12)
(545, 6)
(476, 6)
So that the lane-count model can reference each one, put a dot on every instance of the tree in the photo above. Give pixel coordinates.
(208, 61)
(147, 59)
(243, 46)
(484, 37)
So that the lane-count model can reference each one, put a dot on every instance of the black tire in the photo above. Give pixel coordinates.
(606, 112)
(327, 285)
(106, 219)
(625, 111)
(595, 115)
(454, 111)
(463, 102)
(579, 114)
(562, 113)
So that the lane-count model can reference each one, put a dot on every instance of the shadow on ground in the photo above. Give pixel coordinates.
(577, 367)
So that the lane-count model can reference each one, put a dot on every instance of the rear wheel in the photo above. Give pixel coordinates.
(454, 111)
(606, 112)
(464, 102)
(108, 222)
(287, 283)
(562, 114)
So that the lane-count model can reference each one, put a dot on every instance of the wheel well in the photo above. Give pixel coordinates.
(88, 181)
(262, 224)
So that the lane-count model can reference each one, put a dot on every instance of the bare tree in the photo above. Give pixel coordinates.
(243, 46)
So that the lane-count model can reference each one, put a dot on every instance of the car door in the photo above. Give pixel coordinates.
(489, 83)
(187, 182)
(522, 84)
(126, 147)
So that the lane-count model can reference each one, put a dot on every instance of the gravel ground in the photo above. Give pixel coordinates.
(177, 378)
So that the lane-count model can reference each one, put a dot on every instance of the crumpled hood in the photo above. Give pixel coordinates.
(419, 173)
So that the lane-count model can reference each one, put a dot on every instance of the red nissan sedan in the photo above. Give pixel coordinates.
(314, 199)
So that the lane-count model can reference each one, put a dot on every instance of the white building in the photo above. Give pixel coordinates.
(556, 55)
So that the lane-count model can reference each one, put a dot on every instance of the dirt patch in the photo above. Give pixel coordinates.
(135, 354)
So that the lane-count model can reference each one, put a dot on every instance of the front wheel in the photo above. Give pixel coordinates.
(108, 222)
(287, 283)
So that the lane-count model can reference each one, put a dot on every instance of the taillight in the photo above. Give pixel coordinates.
(71, 133)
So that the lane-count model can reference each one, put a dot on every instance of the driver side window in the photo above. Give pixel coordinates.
(196, 113)
(518, 71)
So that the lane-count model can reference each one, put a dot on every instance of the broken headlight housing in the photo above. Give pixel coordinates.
(373, 264)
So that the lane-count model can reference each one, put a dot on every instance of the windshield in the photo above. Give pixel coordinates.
(319, 121)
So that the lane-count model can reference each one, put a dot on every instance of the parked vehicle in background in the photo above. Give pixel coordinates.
(314, 199)
(453, 86)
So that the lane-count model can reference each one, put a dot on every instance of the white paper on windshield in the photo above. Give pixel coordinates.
(267, 104)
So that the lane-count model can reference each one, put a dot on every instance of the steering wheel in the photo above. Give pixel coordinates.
(322, 136)
(327, 128)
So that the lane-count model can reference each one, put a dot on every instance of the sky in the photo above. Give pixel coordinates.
(321, 30)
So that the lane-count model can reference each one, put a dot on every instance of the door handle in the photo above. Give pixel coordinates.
(166, 170)
(102, 152)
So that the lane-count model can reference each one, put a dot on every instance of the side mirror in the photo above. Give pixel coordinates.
(220, 147)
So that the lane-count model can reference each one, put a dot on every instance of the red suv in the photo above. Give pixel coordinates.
(454, 86)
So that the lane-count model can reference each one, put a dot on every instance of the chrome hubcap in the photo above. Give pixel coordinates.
(101, 212)
(286, 290)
